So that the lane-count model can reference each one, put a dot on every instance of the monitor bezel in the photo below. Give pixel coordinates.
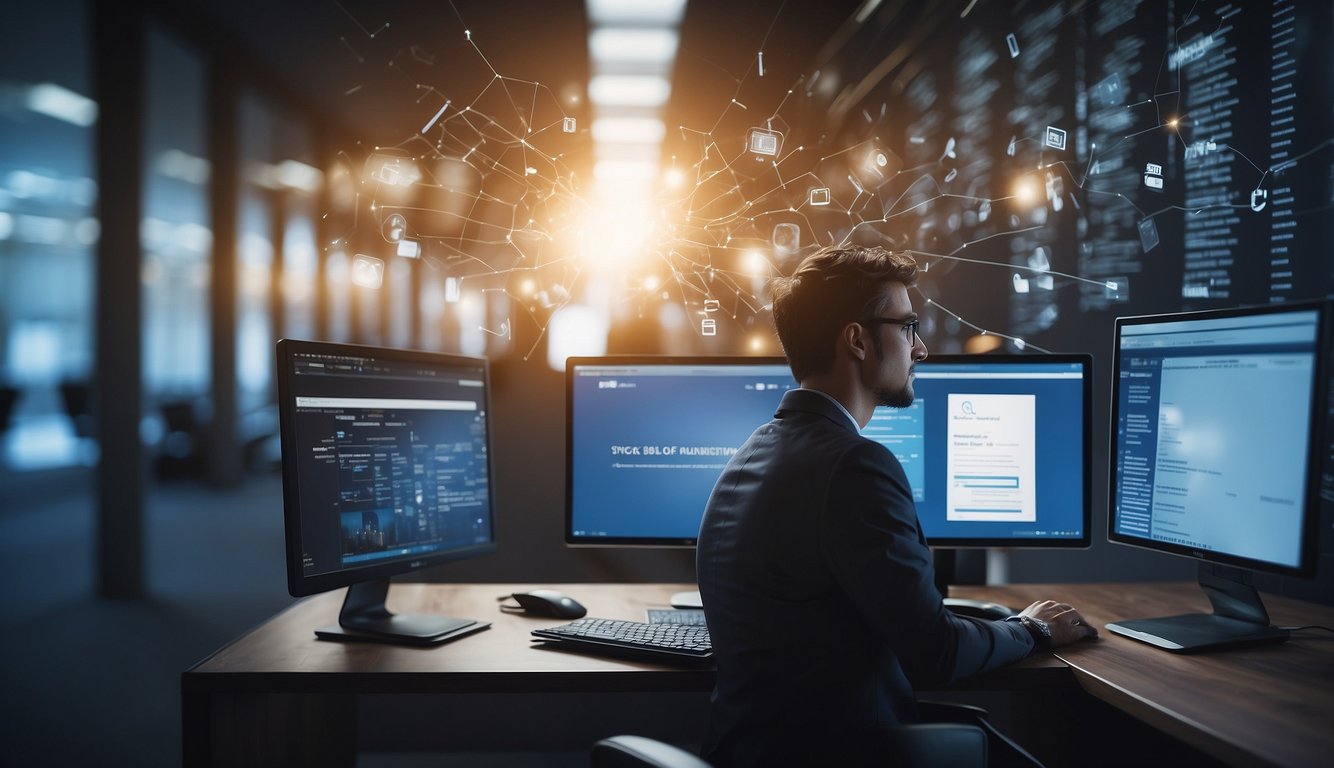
(1083, 542)
(1086, 503)
(300, 584)
(571, 363)
(1315, 442)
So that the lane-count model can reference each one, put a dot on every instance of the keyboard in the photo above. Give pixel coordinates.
(683, 644)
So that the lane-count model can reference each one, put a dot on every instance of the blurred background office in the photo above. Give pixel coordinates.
(184, 183)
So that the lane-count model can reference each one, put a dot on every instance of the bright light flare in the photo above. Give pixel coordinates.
(755, 263)
(614, 230)
(1027, 191)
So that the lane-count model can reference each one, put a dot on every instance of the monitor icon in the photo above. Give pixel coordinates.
(763, 142)
(1153, 176)
(568, 125)
(820, 196)
(1055, 138)
(367, 271)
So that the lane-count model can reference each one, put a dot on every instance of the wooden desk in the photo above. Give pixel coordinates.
(278, 692)
(1271, 705)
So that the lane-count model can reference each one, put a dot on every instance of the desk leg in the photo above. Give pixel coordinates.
(225, 729)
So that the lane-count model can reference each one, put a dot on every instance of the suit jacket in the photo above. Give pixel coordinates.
(820, 596)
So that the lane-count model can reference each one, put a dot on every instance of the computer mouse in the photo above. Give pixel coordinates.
(549, 602)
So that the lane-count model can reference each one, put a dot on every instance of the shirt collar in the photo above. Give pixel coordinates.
(835, 401)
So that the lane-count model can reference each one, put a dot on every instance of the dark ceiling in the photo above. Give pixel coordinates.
(381, 68)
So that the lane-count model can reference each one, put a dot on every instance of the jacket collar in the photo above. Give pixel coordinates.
(816, 403)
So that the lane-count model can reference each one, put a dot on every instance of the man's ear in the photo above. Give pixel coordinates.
(853, 338)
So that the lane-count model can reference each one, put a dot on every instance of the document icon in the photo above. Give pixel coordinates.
(708, 327)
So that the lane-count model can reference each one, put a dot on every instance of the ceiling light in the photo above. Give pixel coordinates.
(638, 46)
(625, 170)
(63, 104)
(628, 90)
(643, 12)
(629, 130)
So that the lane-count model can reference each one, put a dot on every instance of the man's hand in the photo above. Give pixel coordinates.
(1066, 625)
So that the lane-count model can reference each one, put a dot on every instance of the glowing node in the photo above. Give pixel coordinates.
(1026, 191)
(755, 263)
(527, 287)
(651, 283)
(674, 178)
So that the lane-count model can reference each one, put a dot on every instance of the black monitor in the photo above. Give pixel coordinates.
(995, 447)
(386, 470)
(1215, 456)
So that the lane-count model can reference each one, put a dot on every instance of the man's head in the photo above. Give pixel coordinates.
(849, 296)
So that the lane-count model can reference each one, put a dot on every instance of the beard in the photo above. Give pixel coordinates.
(901, 398)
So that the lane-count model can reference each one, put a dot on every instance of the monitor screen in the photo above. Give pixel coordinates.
(995, 447)
(647, 437)
(386, 466)
(1213, 446)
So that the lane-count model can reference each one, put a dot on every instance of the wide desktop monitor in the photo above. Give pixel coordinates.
(386, 470)
(995, 447)
(1216, 456)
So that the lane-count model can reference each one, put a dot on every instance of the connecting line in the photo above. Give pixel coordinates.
(983, 331)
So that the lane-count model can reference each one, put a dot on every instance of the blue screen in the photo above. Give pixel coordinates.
(1213, 429)
(648, 440)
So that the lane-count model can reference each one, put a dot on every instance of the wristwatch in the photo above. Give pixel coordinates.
(1038, 628)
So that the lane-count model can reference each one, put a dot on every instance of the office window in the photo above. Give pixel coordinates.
(47, 236)
(254, 258)
(176, 241)
(300, 270)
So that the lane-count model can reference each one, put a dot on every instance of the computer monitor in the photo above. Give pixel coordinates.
(995, 447)
(1215, 457)
(386, 470)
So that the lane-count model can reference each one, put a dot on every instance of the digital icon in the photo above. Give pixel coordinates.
(1040, 263)
(568, 125)
(392, 170)
(710, 305)
(787, 238)
(394, 227)
(1054, 138)
(1055, 191)
(1148, 234)
(873, 166)
(1009, 150)
(708, 327)
(1020, 284)
(949, 150)
(1259, 196)
(1013, 44)
(984, 210)
(452, 290)
(367, 271)
(409, 249)
(1153, 176)
(819, 196)
(967, 408)
(951, 175)
(764, 142)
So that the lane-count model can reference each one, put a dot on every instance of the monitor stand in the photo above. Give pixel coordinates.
(945, 563)
(687, 600)
(364, 617)
(1239, 618)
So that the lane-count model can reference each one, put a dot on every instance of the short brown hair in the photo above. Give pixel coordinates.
(832, 287)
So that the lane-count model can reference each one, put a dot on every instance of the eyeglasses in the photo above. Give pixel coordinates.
(909, 326)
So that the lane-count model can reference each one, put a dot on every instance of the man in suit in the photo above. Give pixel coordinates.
(817, 581)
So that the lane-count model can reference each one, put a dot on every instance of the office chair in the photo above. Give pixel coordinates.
(921, 745)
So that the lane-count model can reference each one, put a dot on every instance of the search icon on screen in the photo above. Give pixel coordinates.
(967, 408)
